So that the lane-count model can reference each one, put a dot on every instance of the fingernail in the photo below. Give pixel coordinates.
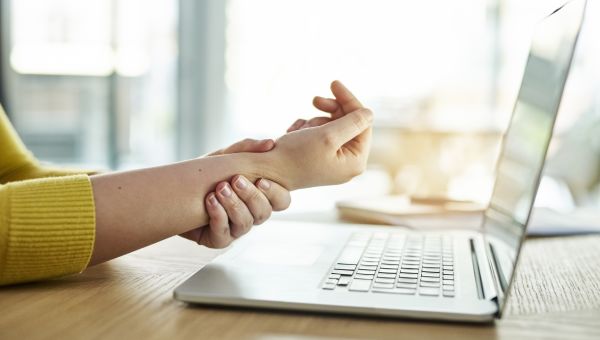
(225, 191)
(264, 184)
(212, 200)
(241, 183)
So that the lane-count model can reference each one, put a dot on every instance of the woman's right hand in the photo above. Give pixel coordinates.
(331, 153)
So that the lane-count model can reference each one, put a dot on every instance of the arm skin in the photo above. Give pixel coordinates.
(140, 207)
(249, 204)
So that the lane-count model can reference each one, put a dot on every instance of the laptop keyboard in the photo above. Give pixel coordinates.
(396, 263)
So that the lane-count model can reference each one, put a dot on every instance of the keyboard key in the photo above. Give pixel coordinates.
(384, 280)
(448, 277)
(343, 272)
(383, 285)
(429, 291)
(364, 277)
(410, 266)
(360, 285)
(405, 280)
(389, 266)
(448, 282)
(407, 285)
(430, 279)
(367, 267)
(345, 266)
(409, 276)
(429, 284)
(329, 286)
(334, 276)
(344, 281)
(429, 265)
(431, 270)
(365, 272)
(425, 261)
(409, 262)
(333, 281)
(390, 262)
(350, 255)
(403, 291)
(390, 271)
(386, 275)
(448, 293)
(409, 271)
(430, 274)
(448, 287)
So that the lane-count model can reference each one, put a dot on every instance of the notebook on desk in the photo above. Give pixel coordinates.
(401, 210)
(460, 275)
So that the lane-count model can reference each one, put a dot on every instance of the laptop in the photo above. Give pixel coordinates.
(460, 275)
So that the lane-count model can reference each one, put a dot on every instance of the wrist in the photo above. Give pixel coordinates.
(264, 165)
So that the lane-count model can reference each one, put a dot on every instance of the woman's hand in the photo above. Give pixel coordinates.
(323, 150)
(236, 206)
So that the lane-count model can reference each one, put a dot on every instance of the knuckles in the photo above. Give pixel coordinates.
(362, 118)
(328, 139)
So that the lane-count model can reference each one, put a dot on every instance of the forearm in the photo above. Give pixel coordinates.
(140, 207)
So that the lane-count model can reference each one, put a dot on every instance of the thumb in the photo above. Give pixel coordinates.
(250, 145)
(349, 126)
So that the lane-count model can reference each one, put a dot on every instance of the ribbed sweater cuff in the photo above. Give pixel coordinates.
(51, 228)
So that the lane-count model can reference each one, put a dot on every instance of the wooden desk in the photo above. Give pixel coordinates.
(556, 295)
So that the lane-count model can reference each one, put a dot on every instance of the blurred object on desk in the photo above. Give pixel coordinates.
(549, 222)
(435, 213)
(414, 212)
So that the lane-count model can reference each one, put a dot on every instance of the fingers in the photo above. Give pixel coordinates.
(247, 145)
(240, 218)
(218, 234)
(297, 125)
(344, 97)
(328, 105)
(278, 196)
(348, 127)
(256, 202)
(316, 121)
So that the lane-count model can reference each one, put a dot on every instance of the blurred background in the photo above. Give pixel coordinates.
(118, 84)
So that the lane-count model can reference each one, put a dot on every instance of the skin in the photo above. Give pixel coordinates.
(251, 204)
(140, 207)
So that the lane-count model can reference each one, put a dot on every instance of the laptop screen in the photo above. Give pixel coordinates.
(527, 138)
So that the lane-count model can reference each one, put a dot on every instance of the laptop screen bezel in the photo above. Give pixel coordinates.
(504, 292)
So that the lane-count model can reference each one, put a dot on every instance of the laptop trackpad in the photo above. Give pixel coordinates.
(289, 254)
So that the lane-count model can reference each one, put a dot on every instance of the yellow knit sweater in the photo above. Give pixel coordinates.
(47, 216)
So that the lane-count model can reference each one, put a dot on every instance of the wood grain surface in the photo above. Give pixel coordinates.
(556, 296)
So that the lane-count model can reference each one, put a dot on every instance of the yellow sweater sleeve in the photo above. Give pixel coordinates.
(47, 223)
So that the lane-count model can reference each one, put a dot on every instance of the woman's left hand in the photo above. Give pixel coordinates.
(236, 206)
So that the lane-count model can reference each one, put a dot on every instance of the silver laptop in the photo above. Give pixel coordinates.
(382, 271)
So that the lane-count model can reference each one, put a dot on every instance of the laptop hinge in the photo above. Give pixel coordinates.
(498, 279)
(484, 275)
(476, 270)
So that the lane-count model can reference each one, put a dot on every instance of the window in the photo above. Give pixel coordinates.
(93, 82)
(421, 62)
